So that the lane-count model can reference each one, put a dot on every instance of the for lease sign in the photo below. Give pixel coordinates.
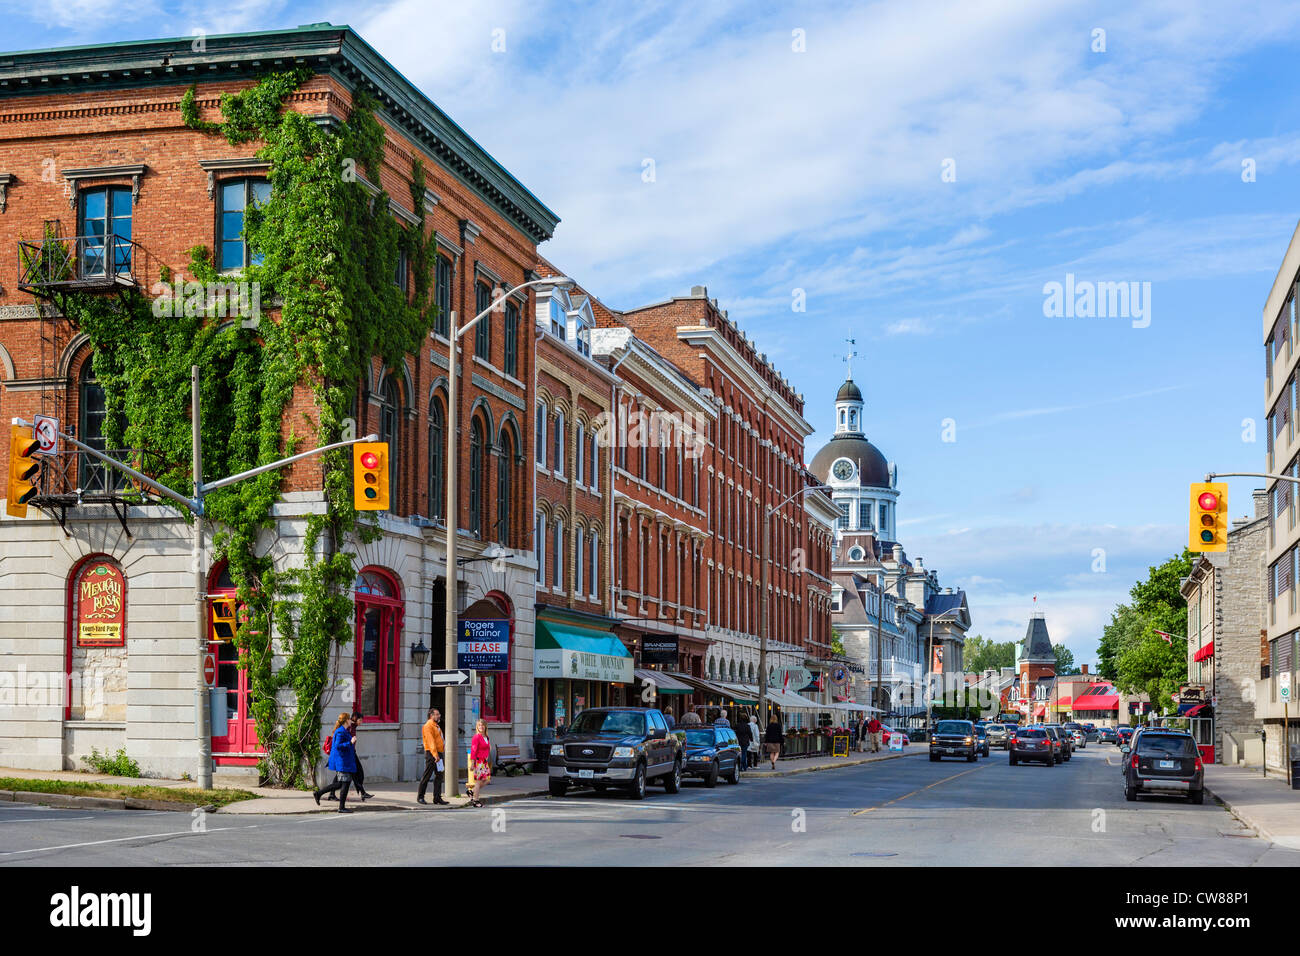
(483, 645)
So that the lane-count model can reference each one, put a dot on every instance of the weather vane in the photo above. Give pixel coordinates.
(849, 358)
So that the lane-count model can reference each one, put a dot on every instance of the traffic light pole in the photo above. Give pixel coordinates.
(202, 720)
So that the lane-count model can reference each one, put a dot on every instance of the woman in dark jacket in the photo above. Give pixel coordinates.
(773, 738)
(342, 761)
(742, 737)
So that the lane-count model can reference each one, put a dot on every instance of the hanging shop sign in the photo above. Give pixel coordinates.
(659, 649)
(101, 606)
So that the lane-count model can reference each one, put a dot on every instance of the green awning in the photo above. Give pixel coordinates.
(566, 650)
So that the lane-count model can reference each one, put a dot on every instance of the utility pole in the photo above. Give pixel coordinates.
(763, 577)
(452, 621)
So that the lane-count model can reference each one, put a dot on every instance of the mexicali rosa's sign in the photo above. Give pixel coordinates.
(101, 606)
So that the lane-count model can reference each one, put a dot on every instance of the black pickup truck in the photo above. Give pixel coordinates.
(616, 746)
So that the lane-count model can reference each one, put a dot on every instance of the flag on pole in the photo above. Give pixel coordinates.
(785, 682)
(1168, 638)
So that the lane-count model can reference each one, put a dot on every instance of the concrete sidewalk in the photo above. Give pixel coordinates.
(1266, 805)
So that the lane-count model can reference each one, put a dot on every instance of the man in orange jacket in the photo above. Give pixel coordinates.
(433, 747)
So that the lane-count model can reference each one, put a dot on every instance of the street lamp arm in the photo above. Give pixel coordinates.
(1210, 476)
(549, 281)
(802, 491)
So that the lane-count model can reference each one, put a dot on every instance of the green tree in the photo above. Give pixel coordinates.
(1064, 659)
(1131, 653)
(982, 653)
(837, 643)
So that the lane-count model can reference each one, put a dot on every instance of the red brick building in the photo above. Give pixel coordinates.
(92, 142)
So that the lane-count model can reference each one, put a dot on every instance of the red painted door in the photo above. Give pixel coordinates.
(239, 744)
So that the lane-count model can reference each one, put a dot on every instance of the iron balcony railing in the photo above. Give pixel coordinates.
(72, 476)
(76, 262)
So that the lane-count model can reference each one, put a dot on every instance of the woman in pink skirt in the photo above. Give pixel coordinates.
(480, 763)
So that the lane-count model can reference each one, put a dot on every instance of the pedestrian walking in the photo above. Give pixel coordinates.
(743, 738)
(359, 778)
(755, 740)
(773, 739)
(669, 719)
(342, 761)
(862, 734)
(433, 765)
(721, 719)
(480, 763)
(874, 727)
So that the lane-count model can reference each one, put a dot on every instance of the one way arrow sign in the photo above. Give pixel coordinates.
(449, 678)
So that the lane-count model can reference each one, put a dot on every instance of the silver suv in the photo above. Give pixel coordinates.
(997, 734)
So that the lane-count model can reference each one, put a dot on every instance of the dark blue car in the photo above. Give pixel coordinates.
(711, 752)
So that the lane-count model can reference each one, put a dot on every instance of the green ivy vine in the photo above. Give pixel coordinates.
(328, 251)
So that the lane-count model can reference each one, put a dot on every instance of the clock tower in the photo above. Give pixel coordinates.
(864, 486)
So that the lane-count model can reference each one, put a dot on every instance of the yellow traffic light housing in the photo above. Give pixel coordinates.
(223, 619)
(23, 469)
(370, 476)
(1207, 524)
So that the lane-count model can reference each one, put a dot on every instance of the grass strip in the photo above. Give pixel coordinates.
(82, 788)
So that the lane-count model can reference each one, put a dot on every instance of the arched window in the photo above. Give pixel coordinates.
(593, 566)
(476, 463)
(539, 439)
(580, 444)
(378, 652)
(437, 455)
(557, 444)
(390, 416)
(557, 554)
(579, 559)
(505, 472)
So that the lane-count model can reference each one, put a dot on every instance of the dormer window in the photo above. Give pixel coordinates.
(558, 320)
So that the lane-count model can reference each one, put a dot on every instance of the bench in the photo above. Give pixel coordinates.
(510, 760)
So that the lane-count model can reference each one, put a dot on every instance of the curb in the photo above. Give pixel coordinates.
(1263, 832)
(389, 808)
(65, 801)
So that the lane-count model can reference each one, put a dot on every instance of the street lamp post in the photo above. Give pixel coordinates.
(762, 591)
(929, 663)
(453, 512)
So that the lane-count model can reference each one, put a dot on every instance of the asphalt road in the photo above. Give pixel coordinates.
(907, 811)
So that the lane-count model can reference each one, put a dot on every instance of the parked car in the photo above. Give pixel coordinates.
(982, 739)
(1077, 734)
(1062, 747)
(1107, 735)
(1031, 743)
(953, 738)
(1089, 732)
(998, 734)
(712, 752)
(617, 746)
(1165, 761)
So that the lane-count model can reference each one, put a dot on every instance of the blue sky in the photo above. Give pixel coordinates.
(777, 170)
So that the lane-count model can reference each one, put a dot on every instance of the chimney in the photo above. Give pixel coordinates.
(699, 291)
(1084, 670)
(1261, 502)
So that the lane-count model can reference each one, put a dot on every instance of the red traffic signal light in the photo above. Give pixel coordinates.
(1207, 526)
(23, 469)
(370, 476)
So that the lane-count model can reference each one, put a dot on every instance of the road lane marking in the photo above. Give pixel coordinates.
(42, 819)
(920, 790)
(138, 836)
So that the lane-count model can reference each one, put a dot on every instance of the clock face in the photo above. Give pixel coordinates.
(843, 469)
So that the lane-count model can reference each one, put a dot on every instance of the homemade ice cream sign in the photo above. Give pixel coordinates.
(484, 645)
(101, 606)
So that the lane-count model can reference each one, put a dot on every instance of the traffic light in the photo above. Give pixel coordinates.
(22, 470)
(370, 476)
(1207, 526)
(223, 619)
